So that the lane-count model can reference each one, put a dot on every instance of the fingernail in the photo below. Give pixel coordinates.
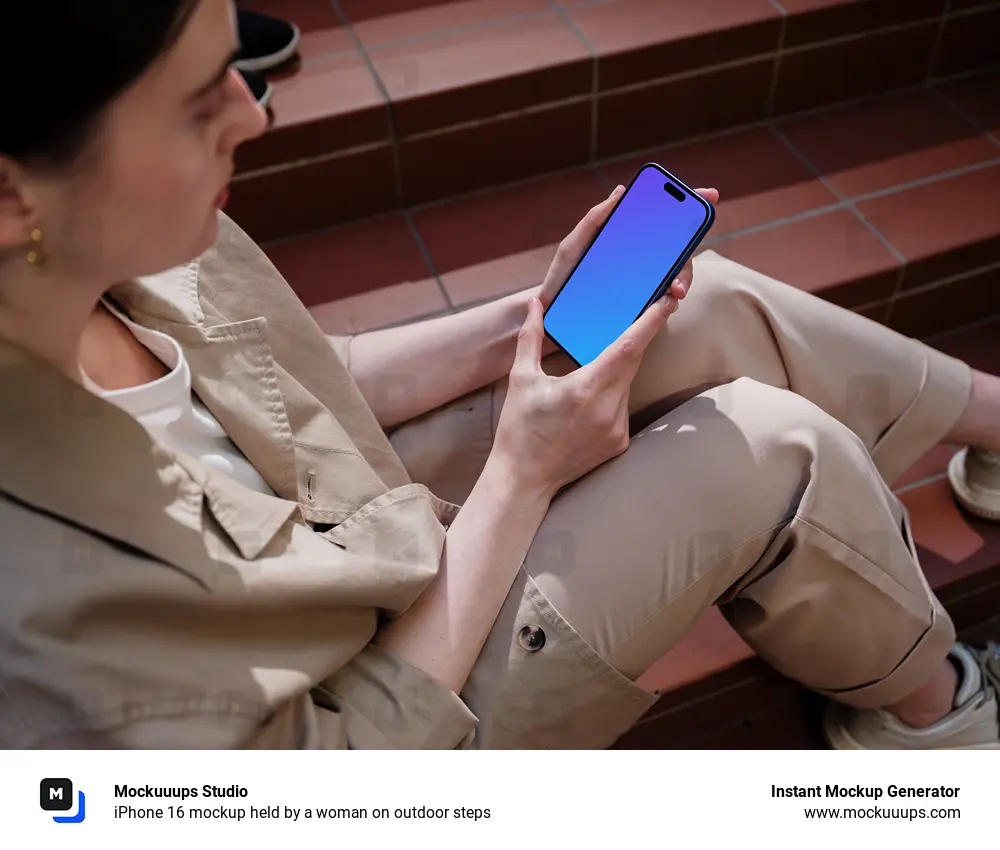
(617, 191)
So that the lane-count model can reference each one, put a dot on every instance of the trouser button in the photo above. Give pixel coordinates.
(531, 638)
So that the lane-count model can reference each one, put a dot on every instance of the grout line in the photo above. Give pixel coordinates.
(822, 109)
(923, 482)
(390, 113)
(851, 204)
(513, 184)
(473, 123)
(595, 85)
(938, 39)
(554, 6)
(692, 139)
(528, 16)
(815, 212)
(772, 92)
(986, 6)
(423, 317)
(847, 203)
(942, 336)
(746, 231)
(479, 26)
(959, 277)
(896, 294)
(422, 247)
(962, 113)
(690, 74)
(868, 305)
(292, 164)
(927, 181)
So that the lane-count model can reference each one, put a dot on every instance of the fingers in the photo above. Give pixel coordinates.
(710, 195)
(620, 360)
(682, 283)
(679, 288)
(574, 244)
(528, 358)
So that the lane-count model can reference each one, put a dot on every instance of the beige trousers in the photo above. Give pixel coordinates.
(768, 426)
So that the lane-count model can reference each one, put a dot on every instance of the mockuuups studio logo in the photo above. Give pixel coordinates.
(56, 795)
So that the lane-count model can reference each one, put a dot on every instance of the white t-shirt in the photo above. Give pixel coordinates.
(172, 413)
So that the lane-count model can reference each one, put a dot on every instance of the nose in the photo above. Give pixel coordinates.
(252, 118)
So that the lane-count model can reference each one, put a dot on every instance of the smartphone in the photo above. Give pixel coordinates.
(650, 235)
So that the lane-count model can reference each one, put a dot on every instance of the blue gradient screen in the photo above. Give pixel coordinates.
(641, 244)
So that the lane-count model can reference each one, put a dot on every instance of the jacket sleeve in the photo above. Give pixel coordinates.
(216, 651)
(386, 703)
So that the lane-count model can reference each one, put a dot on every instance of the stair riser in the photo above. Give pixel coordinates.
(422, 149)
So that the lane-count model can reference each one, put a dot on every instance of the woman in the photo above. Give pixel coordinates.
(211, 542)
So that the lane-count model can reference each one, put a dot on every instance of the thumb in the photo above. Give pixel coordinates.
(530, 338)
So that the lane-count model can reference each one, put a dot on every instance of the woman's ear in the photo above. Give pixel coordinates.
(16, 217)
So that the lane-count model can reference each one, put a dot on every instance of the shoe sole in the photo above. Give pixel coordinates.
(265, 98)
(265, 63)
(840, 739)
(982, 505)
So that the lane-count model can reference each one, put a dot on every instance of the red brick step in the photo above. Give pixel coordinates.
(886, 206)
(401, 102)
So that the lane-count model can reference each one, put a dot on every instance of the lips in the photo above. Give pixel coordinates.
(222, 198)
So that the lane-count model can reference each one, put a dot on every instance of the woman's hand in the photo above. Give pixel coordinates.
(572, 247)
(554, 430)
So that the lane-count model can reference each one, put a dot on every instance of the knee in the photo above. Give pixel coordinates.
(715, 277)
(724, 297)
(776, 420)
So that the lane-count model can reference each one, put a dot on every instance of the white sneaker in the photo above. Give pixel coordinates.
(975, 480)
(973, 724)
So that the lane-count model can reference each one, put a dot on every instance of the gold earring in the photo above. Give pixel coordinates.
(36, 256)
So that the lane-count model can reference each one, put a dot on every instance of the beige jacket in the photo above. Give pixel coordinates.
(148, 601)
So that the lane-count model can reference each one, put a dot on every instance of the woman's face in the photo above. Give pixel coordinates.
(145, 196)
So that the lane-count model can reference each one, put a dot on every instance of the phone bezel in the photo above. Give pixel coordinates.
(675, 269)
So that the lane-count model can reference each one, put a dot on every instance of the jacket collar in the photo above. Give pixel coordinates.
(69, 453)
(299, 446)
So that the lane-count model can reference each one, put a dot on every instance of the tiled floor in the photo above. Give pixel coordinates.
(886, 205)
(420, 100)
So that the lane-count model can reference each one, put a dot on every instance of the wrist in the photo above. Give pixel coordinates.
(508, 484)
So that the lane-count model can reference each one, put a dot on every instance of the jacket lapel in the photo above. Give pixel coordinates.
(102, 471)
(299, 446)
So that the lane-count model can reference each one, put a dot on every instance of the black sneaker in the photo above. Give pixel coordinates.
(265, 41)
(259, 86)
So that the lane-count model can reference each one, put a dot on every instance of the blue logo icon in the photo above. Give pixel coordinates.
(56, 795)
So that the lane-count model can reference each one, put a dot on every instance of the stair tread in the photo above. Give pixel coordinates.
(449, 45)
(787, 210)
(389, 72)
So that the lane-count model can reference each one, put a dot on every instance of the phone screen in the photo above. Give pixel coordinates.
(643, 245)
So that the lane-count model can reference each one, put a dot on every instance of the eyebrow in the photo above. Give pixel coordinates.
(216, 80)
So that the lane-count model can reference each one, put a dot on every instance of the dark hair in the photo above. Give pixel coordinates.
(64, 61)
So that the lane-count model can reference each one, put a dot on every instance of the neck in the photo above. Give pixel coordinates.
(45, 312)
